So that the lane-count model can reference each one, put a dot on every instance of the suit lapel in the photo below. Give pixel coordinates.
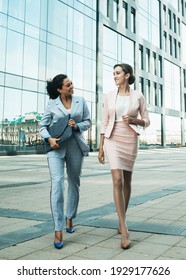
(75, 105)
(130, 101)
(133, 104)
(60, 105)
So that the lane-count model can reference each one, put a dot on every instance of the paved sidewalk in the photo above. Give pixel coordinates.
(156, 216)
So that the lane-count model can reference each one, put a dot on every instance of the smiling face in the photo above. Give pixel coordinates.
(67, 87)
(119, 76)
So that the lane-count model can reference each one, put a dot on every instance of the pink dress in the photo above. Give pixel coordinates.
(120, 139)
(121, 148)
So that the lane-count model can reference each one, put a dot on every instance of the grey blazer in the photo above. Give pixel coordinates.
(79, 112)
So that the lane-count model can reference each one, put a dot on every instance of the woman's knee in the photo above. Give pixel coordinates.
(117, 182)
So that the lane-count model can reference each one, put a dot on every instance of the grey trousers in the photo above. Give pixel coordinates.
(73, 159)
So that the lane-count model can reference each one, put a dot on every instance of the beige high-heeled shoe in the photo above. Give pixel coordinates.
(125, 241)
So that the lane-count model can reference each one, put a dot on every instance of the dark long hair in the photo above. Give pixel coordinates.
(54, 84)
(127, 69)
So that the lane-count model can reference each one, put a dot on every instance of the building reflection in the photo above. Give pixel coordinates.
(84, 39)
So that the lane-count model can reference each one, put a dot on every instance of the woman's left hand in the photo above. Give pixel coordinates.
(72, 123)
(127, 119)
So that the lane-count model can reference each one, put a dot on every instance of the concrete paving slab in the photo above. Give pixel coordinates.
(156, 215)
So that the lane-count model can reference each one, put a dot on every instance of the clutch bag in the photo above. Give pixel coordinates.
(61, 130)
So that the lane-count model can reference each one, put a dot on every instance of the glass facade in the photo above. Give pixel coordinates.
(40, 39)
(84, 39)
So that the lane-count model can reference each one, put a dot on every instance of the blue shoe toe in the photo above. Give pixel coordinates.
(70, 230)
(58, 245)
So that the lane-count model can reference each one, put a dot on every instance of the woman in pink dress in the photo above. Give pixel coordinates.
(124, 110)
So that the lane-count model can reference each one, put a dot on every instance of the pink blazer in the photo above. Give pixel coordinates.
(137, 106)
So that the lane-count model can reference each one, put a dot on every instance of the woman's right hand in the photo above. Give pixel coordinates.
(101, 156)
(53, 143)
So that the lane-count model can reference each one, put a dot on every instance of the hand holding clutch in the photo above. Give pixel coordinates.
(60, 131)
(53, 143)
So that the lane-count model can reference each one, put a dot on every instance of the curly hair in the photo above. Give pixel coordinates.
(54, 84)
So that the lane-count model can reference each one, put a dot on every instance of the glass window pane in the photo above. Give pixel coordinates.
(31, 31)
(124, 14)
(88, 36)
(2, 48)
(29, 102)
(110, 43)
(56, 61)
(115, 10)
(78, 71)
(149, 19)
(174, 3)
(152, 134)
(42, 60)
(31, 51)
(172, 130)
(57, 18)
(127, 51)
(4, 6)
(108, 80)
(3, 20)
(41, 103)
(78, 28)
(172, 85)
(87, 85)
(17, 9)
(70, 24)
(15, 24)
(43, 12)
(14, 58)
(2, 79)
(105, 8)
(1, 103)
(32, 12)
(184, 43)
(12, 109)
(133, 15)
(30, 84)
(13, 81)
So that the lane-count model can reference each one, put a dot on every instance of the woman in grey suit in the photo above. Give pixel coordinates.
(62, 103)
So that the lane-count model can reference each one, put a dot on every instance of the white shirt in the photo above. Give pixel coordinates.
(122, 105)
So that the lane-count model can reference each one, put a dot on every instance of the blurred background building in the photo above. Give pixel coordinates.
(84, 39)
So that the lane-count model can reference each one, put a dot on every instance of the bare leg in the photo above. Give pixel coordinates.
(127, 187)
(118, 189)
(127, 177)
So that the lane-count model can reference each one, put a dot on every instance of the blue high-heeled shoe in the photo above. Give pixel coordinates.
(58, 245)
(69, 229)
